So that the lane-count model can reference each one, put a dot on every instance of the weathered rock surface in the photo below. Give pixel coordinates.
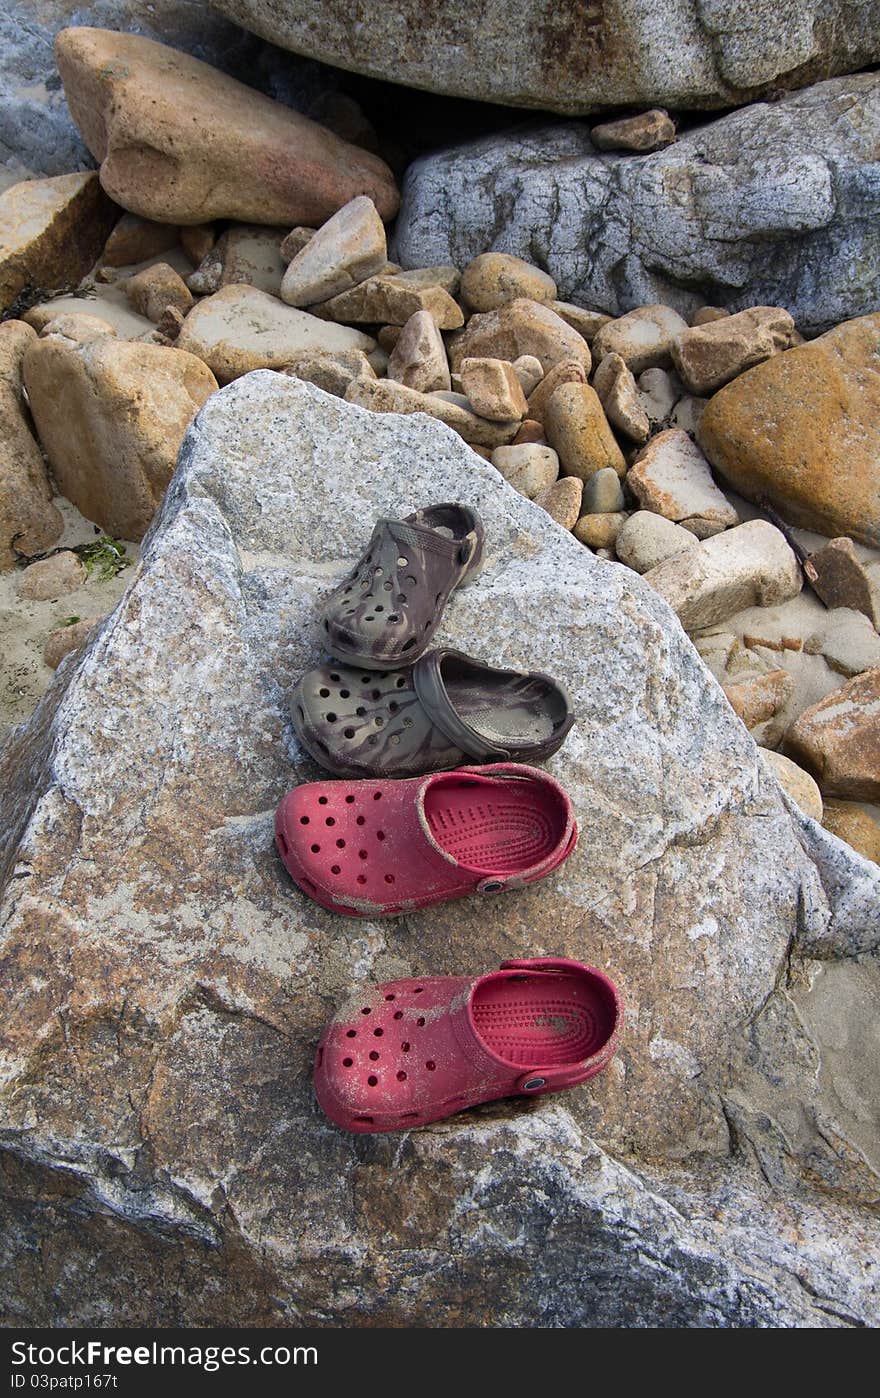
(180, 142)
(850, 822)
(152, 291)
(641, 134)
(838, 576)
(495, 278)
(803, 430)
(418, 358)
(671, 476)
(249, 254)
(737, 213)
(751, 565)
(796, 782)
(516, 328)
(648, 539)
(346, 250)
(29, 522)
(111, 415)
(574, 57)
(157, 1110)
(394, 299)
(708, 356)
(51, 577)
(838, 739)
(135, 239)
(51, 232)
(240, 329)
(387, 396)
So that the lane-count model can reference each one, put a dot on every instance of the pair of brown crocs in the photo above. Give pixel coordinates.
(390, 709)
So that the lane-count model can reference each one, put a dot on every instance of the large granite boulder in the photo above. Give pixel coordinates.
(772, 205)
(575, 55)
(165, 984)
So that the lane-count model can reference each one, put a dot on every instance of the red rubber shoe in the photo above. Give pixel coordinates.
(385, 847)
(408, 1052)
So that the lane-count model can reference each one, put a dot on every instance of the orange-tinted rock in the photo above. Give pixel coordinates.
(180, 142)
(838, 739)
(803, 430)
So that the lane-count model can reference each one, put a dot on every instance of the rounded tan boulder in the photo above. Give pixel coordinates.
(850, 822)
(182, 143)
(795, 781)
(494, 278)
(803, 431)
(111, 415)
(577, 429)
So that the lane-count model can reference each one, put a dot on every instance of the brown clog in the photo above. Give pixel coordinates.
(445, 710)
(385, 612)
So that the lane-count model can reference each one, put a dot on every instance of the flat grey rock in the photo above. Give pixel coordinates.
(166, 983)
(574, 56)
(775, 204)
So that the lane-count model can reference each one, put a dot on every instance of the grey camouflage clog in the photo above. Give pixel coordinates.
(445, 710)
(385, 612)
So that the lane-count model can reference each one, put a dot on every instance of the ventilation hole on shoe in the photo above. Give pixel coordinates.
(377, 796)
(347, 1062)
(373, 1055)
(363, 1118)
(324, 693)
(401, 597)
(419, 990)
(393, 706)
(394, 739)
(372, 740)
(335, 679)
(380, 608)
(331, 718)
(401, 1076)
(322, 800)
(420, 1022)
(361, 820)
(348, 732)
(365, 679)
(372, 1080)
(387, 586)
(344, 694)
(394, 617)
(425, 627)
(326, 626)
(402, 562)
(329, 820)
(366, 1010)
(410, 643)
(316, 849)
(362, 854)
(351, 1033)
(437, 600)
(302, 713)
(389, 878)
(379, 572)
(303, 820)
(407, 723)
(410, 579)
(430, 1065)
(335, 869)
(398, 1014)
(375, 694)
(405, 1047)
(401, 682)
(370, 617)
(349, 800)
(380, 834)
(361, 713)
(362, 878)
(380, 722)
(340, 844)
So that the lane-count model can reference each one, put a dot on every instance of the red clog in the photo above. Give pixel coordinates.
(408, 1052)
(378, 848)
